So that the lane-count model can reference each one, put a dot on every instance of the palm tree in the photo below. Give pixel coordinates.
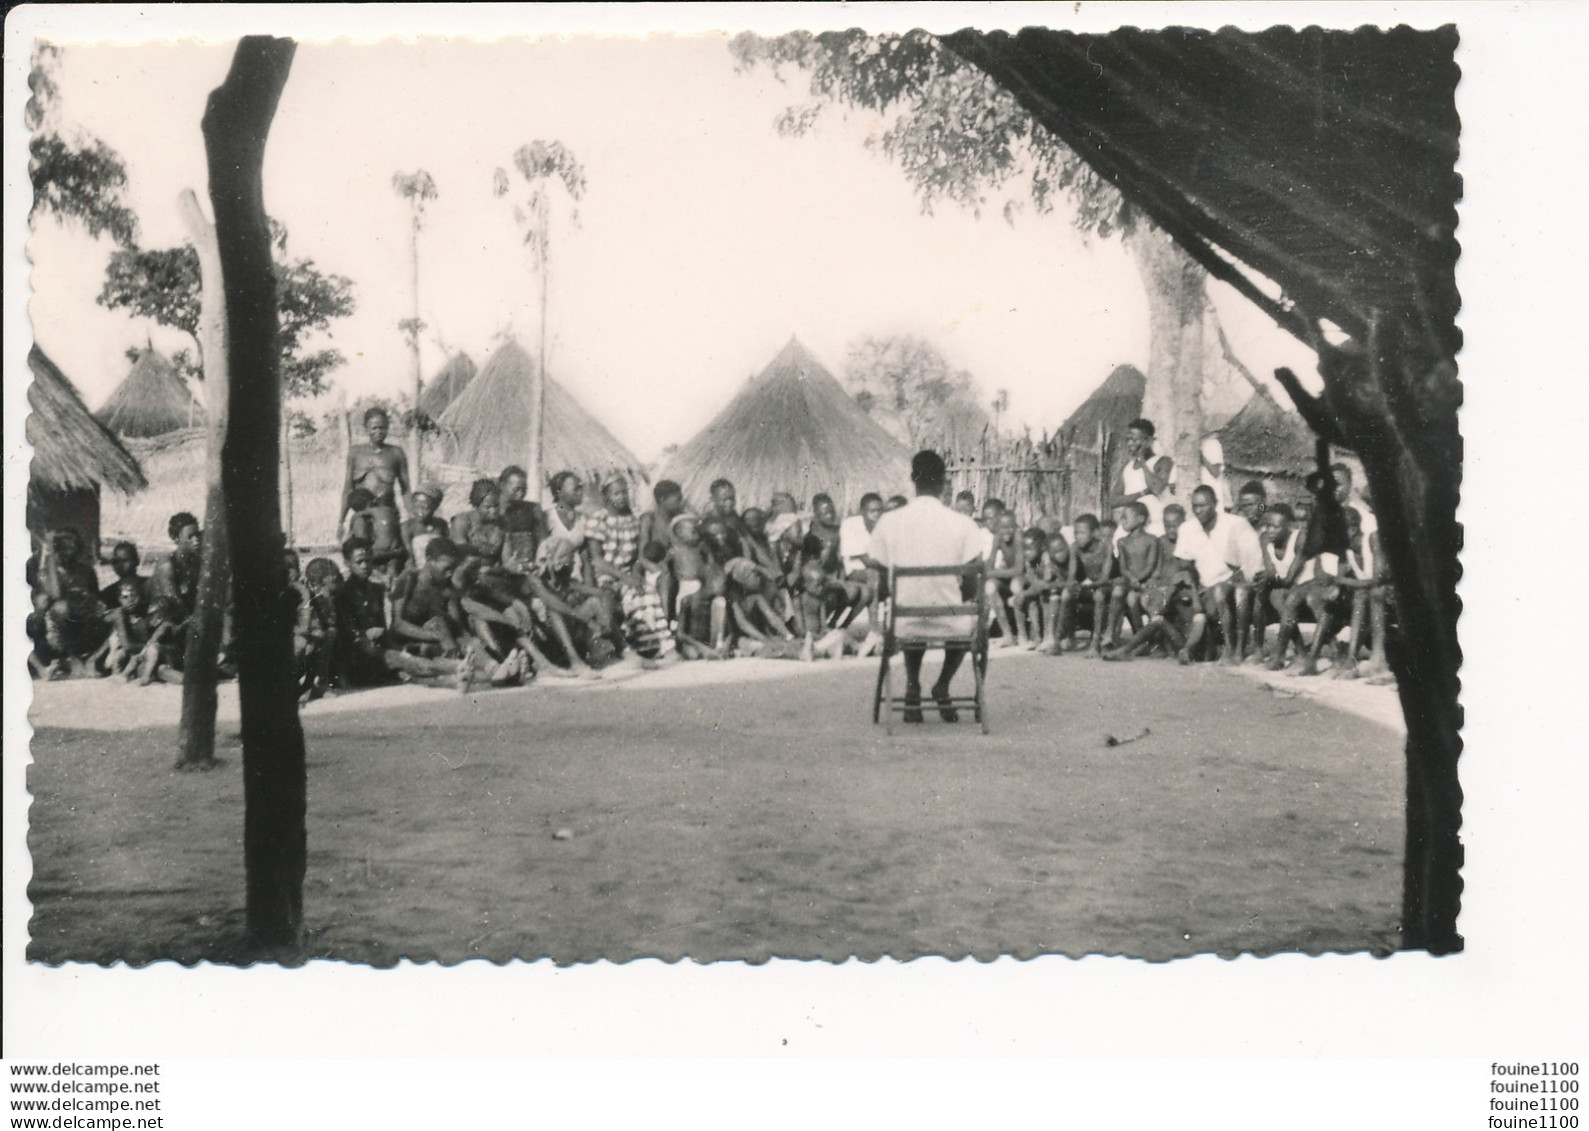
(418, 188)
(541, 164)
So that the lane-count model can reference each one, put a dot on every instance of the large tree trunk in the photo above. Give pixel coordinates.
(1176, 286)
(1394, 402)
(196, 734)
(236, 124)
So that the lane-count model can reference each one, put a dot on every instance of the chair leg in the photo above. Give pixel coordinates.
(877, 693)
(982, 697)
(888, 698)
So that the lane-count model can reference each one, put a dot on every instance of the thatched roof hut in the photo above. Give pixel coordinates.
(1113, 405)
(73, 456)
(151, 400)
(1264, 440)
(793, 428)
(488, 426)
(446, 386)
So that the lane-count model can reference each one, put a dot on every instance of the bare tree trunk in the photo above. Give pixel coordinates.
(414, 439)
(236, 124)
(537, 473)
(1176, 286)
(196, 733)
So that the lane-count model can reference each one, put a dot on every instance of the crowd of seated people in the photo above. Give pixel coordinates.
(504, 590)
(1232, 585)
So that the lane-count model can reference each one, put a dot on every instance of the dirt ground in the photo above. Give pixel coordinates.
(742, 816)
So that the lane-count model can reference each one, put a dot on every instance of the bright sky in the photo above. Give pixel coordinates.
(705, 239)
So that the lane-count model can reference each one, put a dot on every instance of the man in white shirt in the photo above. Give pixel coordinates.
(924, 532)
(1225, 550)
(860, 568)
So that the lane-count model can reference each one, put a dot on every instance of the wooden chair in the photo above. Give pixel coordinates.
(884, 706)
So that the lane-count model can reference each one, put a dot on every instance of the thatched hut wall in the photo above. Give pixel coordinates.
(73, 457)
(792, 428)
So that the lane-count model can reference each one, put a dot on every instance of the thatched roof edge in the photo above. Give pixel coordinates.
(71, 450)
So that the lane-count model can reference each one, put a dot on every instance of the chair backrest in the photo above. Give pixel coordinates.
(977, 606)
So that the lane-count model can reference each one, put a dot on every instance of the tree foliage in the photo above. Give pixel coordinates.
(957, 135)
(541, 164)
(906, 384)
(76, 177)
(165, 284)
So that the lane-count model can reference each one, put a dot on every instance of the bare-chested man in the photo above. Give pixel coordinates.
(382, 470)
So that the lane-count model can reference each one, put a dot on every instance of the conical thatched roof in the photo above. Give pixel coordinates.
(795, 429)
(488, 426)
(444, 388)
(1266, 439)
(71, 450)
(1113, 404)
(151, 400)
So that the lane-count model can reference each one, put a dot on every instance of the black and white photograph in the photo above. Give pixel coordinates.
(755, 493)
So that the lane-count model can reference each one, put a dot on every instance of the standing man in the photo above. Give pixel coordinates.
(1144, 477)
(924, 532)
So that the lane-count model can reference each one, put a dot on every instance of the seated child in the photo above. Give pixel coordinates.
(421, 525)
(124, 562)
(1040, 583)
(645, 619)
(1088, 581)
(370, 659)
(318, 645)
(702, 612)
(1138, 554)
(1364, 576)
(1005, 570)
(74, 622)
(743, 582)
(1171, 605)
(133, 647)
(428, 619)
(573, 612)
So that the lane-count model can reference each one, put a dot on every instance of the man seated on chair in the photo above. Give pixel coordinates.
(927, 533)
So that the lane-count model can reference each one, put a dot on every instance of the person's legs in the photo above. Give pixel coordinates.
(1100, 621)
(1225, 595)
(1322, 603)
(1236, 646)
(913, 655)
(953, 656)
(1290, 615)
(1066, 619)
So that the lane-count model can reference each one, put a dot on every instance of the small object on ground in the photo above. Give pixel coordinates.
(1111, 740)
(563, 834)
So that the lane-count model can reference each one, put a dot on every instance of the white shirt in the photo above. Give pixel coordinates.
(1134, 481)
(854, 541)
(1232, 543)
(1213, 452)
(924, 532)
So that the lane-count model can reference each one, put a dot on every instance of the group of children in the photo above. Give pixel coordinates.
(507, 590)
(1210, 585)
